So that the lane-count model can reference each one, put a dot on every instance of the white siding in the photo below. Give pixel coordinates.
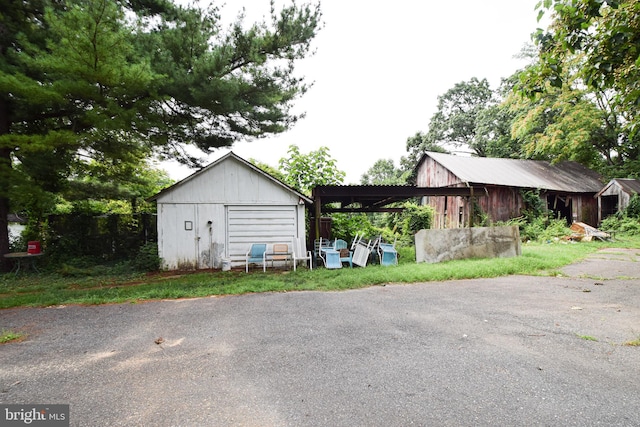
(229, 182)
(176, 245)
(230, 205)
(259, 224)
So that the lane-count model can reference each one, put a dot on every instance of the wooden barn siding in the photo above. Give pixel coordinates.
(499, 203)
(432, 174)
(585, 208)
(622, 196)
(502, 203)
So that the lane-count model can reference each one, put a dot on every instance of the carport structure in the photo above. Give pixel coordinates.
(375, 198)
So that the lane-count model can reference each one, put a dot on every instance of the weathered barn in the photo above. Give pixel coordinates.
(567, 188)
(615, 196)
(219, 211)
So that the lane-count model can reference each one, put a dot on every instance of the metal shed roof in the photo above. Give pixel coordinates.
(570, 177)
(628, 185)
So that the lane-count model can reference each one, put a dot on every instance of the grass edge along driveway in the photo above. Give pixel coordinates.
(54, 289)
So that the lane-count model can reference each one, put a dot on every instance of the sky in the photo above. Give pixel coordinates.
(378, 70)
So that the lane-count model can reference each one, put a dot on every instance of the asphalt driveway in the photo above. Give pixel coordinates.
(510, 351)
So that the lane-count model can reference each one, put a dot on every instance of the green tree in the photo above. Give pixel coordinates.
(82, 81)
(306, 171)
(592, 46)
(561, 125)
(126, 187)
(274, 172)
(493, 132)
(454, 122)
(494, 123)
(605, 32)
(417, 145)
(384, 172)
(572, 122)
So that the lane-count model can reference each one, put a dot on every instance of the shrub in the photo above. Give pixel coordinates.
(556, 228)
(147, 258)
(622, 224)
(416, 218)
(540, 228)
(633, 209)
(346, 226)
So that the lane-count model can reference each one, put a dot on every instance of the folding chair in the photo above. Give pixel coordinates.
(331, 258)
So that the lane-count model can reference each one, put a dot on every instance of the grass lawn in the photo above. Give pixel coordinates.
(102, 286)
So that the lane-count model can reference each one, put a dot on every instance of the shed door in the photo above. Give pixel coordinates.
(259, 224)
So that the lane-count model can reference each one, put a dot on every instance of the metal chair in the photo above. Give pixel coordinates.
(387, 253)
(319, 247)
(280, 253)
(257, 254)
(361, 251)
(345, 254)
(299, 254)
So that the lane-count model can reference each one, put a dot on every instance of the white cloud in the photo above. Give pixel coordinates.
(380, 67)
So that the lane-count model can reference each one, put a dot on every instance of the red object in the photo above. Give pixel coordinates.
(33, 247)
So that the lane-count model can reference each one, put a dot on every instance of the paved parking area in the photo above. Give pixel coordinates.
(509, 351)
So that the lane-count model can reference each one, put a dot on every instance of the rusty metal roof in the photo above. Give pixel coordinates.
(375, 198)
(568, 177)
(628, 185)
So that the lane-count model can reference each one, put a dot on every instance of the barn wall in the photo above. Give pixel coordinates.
(585, 209)
(432, 174)
(498, 203)
(450, 212)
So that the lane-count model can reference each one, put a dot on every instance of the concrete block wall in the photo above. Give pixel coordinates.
(439, 245)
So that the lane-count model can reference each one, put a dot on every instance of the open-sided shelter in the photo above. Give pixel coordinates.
(216, 214)
(615, 196)
(567, 189)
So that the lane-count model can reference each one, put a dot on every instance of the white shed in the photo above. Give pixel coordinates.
(219, 211)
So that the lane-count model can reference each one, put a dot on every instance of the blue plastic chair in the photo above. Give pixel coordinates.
(319, 247)
(388, 254)
(257, 254)
(341, 244)
(331, 258)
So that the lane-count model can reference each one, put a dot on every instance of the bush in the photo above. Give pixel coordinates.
(346, 226)
(540, 228)
(416, 218)
(556, 228)
(147, 258)
(622, 224)
(633, 209)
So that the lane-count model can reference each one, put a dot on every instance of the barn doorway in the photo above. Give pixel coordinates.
(560, 207)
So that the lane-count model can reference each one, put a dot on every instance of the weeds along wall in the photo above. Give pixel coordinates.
(103, 237)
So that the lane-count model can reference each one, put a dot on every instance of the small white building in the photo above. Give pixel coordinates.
(219, 211)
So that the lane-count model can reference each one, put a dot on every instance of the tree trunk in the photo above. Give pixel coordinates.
(4, 231)
(5, 185)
